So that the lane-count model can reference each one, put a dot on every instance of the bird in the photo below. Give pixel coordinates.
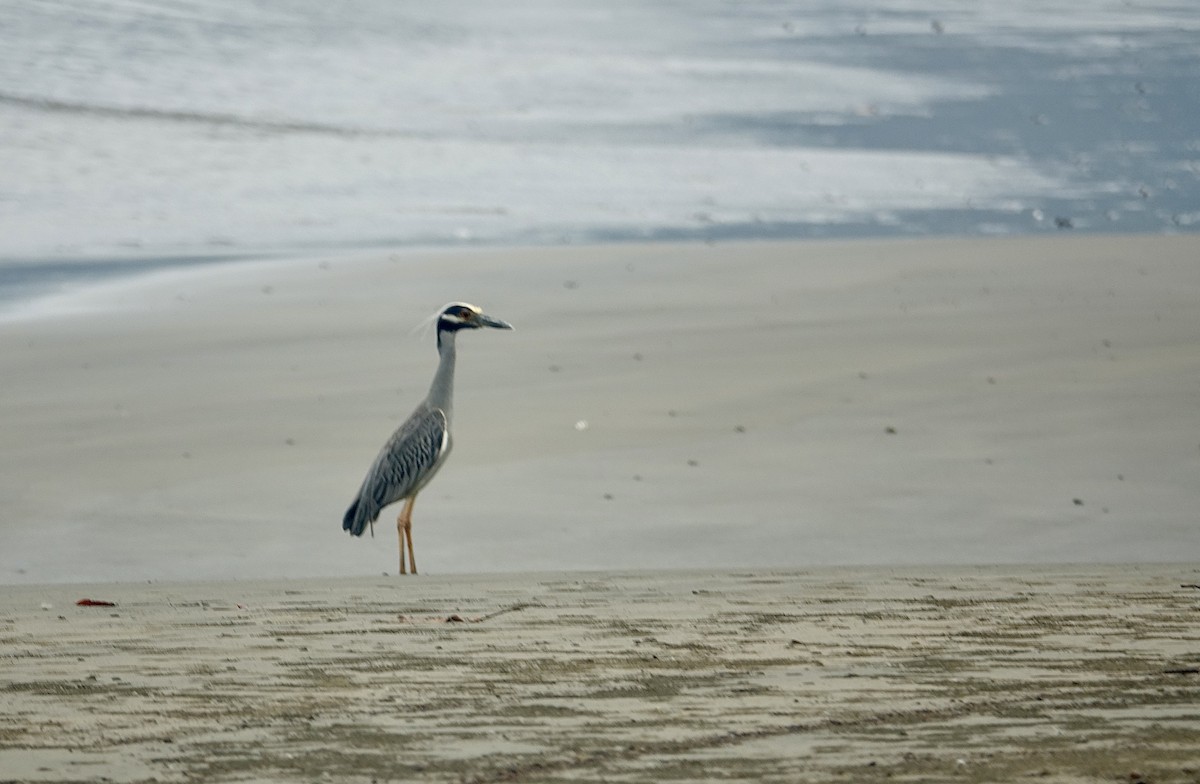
(419, 447)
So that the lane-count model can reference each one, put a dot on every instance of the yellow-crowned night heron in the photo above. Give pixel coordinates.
(418, 448)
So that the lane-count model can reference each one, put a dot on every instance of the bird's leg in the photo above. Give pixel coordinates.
(404, 533)
(412, 556)
(400, 536)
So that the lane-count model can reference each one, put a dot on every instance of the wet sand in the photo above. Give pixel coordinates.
(1025, 400)
(1055, 674)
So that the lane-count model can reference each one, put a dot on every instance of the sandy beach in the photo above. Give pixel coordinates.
(1055, 674)
(768, 455)
(1027, 400)
(849, 430)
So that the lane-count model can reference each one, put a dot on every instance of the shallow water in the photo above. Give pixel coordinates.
(137, 134)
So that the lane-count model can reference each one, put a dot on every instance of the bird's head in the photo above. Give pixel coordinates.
(460, 315)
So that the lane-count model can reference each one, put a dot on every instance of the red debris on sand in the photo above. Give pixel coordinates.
(95, 603)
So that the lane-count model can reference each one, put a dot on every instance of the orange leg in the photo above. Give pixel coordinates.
(404, 533)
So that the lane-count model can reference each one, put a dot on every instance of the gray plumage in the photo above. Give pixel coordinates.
(419, 447)
(406, 463)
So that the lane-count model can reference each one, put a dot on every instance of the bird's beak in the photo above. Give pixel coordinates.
(495, 323)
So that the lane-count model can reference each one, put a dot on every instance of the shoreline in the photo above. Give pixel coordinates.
(117, 271)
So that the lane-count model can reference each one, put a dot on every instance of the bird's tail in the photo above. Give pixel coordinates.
(356, 518)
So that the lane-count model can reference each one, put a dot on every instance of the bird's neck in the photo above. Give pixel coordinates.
(441, 391)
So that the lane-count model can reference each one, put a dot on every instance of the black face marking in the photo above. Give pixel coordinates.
(456, 317)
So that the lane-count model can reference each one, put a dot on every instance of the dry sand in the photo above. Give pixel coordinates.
(660, 406)
(1054, 674)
